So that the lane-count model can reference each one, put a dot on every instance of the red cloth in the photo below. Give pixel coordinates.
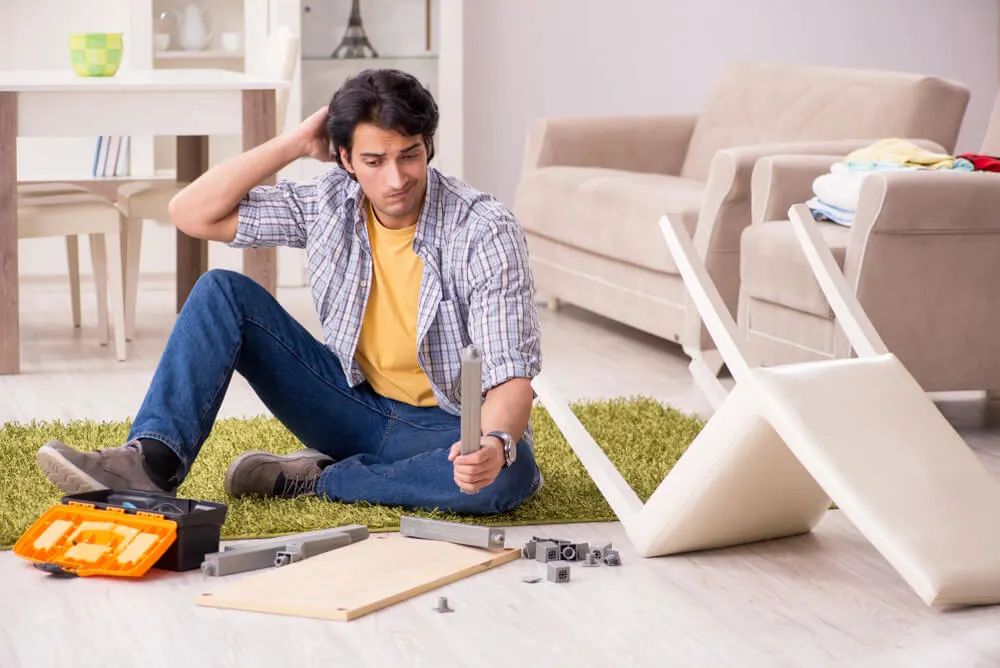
(982, 163)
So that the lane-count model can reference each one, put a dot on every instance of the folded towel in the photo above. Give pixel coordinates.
(840, 189)
(824, 211)
(901, 152)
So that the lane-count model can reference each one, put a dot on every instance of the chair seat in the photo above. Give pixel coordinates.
(147, 199)
(609, 212)
(773, 267)
(63, 214)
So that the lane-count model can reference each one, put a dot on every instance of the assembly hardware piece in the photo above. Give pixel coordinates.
(546, 550)
(553, 549)
(474, 535)
(557, 571)
(612, 558)
(280, 551)
(442, 605)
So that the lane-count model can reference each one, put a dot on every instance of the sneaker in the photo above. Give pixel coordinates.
(75, 471)
(267, 474)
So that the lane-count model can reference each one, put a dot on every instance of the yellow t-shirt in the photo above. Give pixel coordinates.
(387, 346)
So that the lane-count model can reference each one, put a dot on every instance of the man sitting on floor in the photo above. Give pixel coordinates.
(406, 266)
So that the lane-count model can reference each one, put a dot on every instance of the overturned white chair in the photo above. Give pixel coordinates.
(789, 439)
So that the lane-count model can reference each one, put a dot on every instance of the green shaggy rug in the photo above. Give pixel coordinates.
(643, 437)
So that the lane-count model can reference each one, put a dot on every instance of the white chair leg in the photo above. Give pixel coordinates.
(131, 247)
(116, 291)
(99, 261)
(73, 263)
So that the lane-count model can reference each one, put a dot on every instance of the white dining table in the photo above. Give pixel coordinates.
(189, 104)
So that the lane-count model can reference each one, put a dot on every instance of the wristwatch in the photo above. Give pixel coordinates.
(509, 447)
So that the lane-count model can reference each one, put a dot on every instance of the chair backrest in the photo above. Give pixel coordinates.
(282, 58)
(763, 103)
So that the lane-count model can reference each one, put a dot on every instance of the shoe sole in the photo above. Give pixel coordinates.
(227, 482)
(64, 474)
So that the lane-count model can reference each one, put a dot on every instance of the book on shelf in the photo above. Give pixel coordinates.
(111, 156)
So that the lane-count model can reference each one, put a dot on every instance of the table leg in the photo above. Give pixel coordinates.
(259, 122)
(192, 254)
(10, 333)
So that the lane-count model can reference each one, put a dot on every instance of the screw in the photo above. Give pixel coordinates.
(442, 605)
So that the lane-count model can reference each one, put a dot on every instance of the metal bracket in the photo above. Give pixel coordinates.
(465, 534)
(280, 551)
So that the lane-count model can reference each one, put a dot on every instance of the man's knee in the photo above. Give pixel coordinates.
(214, 279)
(231, 285)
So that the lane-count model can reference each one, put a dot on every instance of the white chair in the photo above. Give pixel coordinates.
(790, 438)
(141, 201)
(47, 211)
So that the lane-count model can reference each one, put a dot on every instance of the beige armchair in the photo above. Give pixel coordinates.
(921, 256)
(592, 189)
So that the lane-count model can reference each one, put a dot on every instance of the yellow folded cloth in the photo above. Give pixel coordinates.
(900, 152)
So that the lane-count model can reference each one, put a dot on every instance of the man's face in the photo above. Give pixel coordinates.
(392, 171)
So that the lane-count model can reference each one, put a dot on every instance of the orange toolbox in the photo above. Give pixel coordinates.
(122, 534)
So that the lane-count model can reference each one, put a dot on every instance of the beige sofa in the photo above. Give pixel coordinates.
(923, 256)
(592, 190)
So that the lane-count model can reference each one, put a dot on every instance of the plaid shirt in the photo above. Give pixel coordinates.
(477, 287)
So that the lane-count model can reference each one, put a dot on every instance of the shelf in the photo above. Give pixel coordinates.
(197, 55)
(326, 59)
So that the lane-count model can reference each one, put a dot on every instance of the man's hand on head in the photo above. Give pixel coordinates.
(312, 139)
(479, 469)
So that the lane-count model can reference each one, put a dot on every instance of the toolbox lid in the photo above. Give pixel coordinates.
(80, 539)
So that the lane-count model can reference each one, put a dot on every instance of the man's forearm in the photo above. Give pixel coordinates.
(216, 193)
(507, 408)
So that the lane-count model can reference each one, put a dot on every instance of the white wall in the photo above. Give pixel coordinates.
(531, 59)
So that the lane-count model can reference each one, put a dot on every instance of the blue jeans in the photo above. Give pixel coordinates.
(386, 452)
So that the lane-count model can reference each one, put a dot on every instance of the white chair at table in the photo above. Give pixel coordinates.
(142, 200)
(46, 212)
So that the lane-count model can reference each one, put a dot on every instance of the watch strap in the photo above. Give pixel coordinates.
(508, 445)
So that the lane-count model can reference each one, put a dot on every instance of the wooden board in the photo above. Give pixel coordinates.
(355, 580)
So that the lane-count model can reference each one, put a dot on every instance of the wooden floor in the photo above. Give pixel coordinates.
(826, 599)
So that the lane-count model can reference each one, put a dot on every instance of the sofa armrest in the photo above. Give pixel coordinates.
(779, 181)
(652, 144)
(928, 202)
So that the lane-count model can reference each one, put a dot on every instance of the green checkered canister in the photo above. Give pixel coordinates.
(95, 54)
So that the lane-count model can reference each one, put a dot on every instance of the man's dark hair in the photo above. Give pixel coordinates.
(391, 99)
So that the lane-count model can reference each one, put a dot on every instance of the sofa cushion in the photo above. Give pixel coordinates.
(608, 212)
(773, 267)
(765, 103)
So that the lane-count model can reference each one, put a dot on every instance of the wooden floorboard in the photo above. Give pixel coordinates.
(824, 599)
